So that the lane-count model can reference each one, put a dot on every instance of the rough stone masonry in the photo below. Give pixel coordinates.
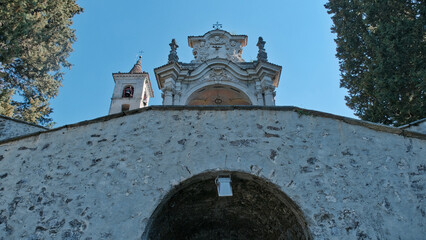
(103, 179)
(10, 128)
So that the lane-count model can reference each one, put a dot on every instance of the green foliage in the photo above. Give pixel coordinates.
(381, 50)
(35, 40)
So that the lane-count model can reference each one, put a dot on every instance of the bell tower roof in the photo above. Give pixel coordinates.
(137, 68)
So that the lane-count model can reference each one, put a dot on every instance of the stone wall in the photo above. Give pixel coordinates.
(418, 126)
(10, 128)
(103, 179)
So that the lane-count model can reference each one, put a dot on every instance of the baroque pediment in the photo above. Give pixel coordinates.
(217, 44)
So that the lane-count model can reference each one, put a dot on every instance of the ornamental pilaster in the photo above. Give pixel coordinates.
(168, 91)
(259, 93)
(268, 90)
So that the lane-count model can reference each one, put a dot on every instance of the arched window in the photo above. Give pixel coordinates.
(128, 92)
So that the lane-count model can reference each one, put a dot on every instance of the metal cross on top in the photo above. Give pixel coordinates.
(139, 55)
(217, 26)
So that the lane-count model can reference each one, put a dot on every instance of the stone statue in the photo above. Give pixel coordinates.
(173, 57)
(261, 56)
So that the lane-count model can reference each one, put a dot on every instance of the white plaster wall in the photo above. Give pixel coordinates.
(10, 128)
(103, 180)
(135, 102)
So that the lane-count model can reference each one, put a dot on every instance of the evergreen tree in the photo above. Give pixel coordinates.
(35, 40)
(381, 49)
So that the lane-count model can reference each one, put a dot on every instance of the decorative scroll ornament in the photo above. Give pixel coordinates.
(168, 89)
(261, 56)
(266, 89)
(173, 57)
(218, 75)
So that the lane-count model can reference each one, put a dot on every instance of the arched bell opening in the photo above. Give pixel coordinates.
(257, 209)
(218, 95)
(128, 91)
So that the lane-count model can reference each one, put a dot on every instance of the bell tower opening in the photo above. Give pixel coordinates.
(128, 92)
(257, 209)
(218, 95)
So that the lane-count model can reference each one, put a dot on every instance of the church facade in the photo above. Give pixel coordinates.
(217, 161)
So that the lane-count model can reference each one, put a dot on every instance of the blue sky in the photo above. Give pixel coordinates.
(110, 34)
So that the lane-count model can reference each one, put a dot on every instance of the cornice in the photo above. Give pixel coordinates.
(135, 76)
(266, 68)
(241, 38)
(164, 71)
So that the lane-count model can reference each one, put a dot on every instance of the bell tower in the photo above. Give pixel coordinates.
(132, 90)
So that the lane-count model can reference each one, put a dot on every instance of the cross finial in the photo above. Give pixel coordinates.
(217, 26)
(139, 55)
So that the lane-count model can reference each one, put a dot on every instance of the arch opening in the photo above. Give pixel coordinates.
(257, 210)
(218, 95)
(128, 91)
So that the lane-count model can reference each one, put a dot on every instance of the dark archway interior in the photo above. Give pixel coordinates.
(257, 210)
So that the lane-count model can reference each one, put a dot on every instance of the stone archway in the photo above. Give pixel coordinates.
(257, 210)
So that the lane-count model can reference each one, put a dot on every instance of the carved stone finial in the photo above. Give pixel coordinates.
(262, 56)
(173, 57)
